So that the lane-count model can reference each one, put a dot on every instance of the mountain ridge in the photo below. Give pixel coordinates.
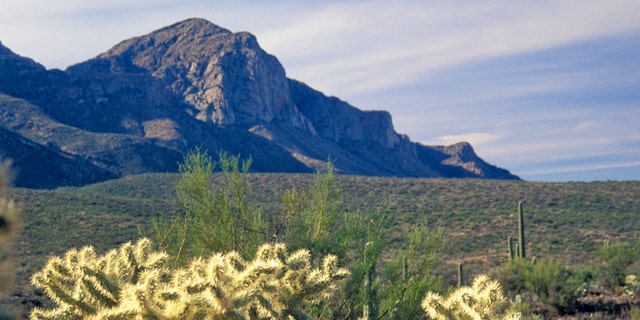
(147, 101)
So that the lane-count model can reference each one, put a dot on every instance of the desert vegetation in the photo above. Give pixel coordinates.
(8, 227)
(133, 282)
(387, 246)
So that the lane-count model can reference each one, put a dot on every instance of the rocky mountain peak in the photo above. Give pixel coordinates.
(10, 61)
(140, 106)
(226, 77)
(16, 72)
(4, 50)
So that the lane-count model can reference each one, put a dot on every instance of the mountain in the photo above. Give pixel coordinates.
(142, 105)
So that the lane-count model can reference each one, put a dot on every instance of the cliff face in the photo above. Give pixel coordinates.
(144, 103)
(226, 77)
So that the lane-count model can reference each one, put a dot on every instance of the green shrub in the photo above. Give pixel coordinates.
(512, 275)
(409, 274)
(216, 218)
(312, 217)
(614, 262)
(555, 285)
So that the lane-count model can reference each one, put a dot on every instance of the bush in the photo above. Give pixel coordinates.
(222, 218)
(614, 262)
(554, 284)
(216, 218)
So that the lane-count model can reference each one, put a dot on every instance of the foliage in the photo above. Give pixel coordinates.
(478, 214)
(312, 219)
(367, 235)
(567, 220)
(409, 275)
(553, 283)
(316, 219)
(216, 218)
(615, 259)
(512, 275)
(483, 300)
(134, 282)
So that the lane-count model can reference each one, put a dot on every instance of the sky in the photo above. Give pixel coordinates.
(549, 90)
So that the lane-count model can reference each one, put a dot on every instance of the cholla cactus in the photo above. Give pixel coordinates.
(81, 283)
(8, 228)
(272, 286)
(482, 301)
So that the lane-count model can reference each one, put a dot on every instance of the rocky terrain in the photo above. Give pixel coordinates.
(140, 106)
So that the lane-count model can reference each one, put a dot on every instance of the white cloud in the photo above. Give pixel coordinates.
(581, 167)
(474, 138)
(340, 47)
(585, 125)
(382, 43)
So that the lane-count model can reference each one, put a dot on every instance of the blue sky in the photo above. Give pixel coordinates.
(547, 89)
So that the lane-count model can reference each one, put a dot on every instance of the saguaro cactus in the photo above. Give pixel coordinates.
(370, 308)
(460, 275)
(521, 240)
(510, 247)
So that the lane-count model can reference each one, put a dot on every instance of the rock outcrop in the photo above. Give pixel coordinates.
(225, 76)
(140, 106)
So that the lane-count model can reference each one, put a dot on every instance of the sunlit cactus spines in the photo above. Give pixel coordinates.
(482, 300)
(81, 283)
(8, 228)
(133, 282)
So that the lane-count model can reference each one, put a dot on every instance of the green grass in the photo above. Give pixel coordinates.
(567, 221)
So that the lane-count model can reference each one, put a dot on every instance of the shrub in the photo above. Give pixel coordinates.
(409, 274)
(313, 218)
(216, 218)
(555, 285)
(133, 282)
(615, 259)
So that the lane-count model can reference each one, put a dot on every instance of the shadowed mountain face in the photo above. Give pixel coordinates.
(140, 106)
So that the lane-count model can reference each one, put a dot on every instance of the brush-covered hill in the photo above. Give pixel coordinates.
(564, 221)
(140, 106)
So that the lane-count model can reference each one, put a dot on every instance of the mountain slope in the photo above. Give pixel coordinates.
(37, 166)
(140, 106)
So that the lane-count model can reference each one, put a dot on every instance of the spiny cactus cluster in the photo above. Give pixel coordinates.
(134, 282)
(8, 227)
(83, 284)
(482, 300)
